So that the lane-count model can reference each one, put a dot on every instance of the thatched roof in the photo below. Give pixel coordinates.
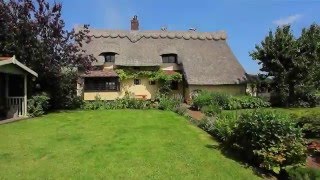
(205, 57)
(100, 73)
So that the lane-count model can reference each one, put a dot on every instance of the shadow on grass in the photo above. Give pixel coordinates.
(238, 156)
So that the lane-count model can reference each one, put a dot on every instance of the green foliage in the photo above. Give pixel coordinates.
(204, 98)
(224, 127)
(229, 102)
(163, 102)
(153, 75)
(245, 102)
(94, 105)
(302, 173)
(221, 99)
(38, 105)
(211, 110)
(127, 102)
(35, 33)
(270, 139)
(310, 125)
(65, 95)
(181, 110)
(168, 103)
(207, 124)
(130, 73)
(293, 63)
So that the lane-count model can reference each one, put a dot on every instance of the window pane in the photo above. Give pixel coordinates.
(109, 57)
(113, 58)
(165, 59)
(101, 84)
(171, 59)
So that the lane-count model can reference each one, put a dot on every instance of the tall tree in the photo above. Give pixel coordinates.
(34, 31)
(289, 62)
(309, 49)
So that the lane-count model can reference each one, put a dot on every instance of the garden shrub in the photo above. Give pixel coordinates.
(211, 110)
(207, 124)
(270, 139)
(246, 102)
(310, 125)
(98, 103)
(63, 91)
(126, 102)
(38, 105)
(302, 173)
(228, 102)
(224, 127)
(168, 103)
(206, 98)
(181, 110)
(305, 98)
(220, 99)
(203, 98)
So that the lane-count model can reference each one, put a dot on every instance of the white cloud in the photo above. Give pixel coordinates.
(287, 20)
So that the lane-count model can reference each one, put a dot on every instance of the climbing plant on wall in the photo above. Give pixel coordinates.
(156, 75)
(151, 75)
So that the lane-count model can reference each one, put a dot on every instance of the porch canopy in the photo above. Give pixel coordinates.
(13, 87)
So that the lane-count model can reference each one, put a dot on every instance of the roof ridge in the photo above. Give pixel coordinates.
(135, 36)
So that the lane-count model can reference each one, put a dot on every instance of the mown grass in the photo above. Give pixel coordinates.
(117, 144)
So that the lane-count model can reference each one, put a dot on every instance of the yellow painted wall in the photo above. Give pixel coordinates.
(237, 89)
(170, 66)
(108, 65)
(128, 86)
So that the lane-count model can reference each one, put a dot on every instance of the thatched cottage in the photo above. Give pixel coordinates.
(203, 58)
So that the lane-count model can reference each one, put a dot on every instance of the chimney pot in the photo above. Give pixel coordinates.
(135, 23)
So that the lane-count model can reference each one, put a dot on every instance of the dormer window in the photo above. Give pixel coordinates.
(109, 57)
(169, 58)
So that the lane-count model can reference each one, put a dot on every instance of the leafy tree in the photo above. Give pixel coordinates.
(290, 62)
(309, 48)
(35, 32)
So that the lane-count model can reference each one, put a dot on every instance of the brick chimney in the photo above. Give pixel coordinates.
(135, 23)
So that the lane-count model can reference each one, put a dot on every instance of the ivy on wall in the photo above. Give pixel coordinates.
(156, 75)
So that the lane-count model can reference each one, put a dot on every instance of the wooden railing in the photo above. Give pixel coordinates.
(16, 104)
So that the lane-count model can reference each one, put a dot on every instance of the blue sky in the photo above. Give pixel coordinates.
(245, 21)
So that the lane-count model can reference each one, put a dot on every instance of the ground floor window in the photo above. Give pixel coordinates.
(102, 84)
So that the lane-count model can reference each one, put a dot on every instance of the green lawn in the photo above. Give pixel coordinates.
(115, 144)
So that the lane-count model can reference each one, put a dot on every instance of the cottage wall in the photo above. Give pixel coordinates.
(138, 91)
